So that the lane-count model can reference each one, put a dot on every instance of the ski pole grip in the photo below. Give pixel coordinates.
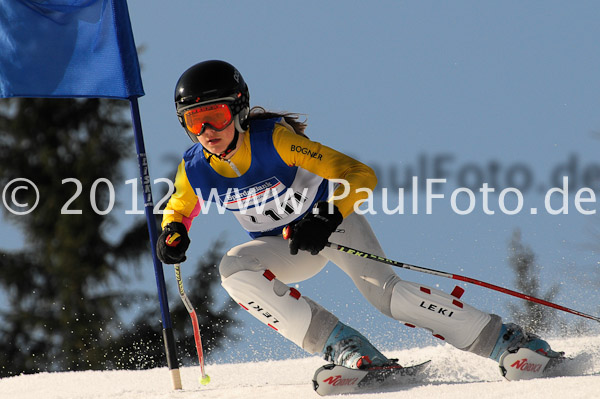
(173, 240)
(287, 232)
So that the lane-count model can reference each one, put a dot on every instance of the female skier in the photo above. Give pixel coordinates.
(262, 167)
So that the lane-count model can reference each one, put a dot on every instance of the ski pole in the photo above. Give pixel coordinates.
(204, 379)
(352, 251)
(172, 241)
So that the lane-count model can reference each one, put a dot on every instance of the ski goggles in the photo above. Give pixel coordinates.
(218, 116)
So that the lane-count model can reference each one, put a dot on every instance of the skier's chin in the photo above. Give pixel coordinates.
(215, 146)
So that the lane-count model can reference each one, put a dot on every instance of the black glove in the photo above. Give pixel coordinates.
(312, 232)
(170, 249)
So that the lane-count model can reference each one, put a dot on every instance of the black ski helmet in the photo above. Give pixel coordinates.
(209, 82)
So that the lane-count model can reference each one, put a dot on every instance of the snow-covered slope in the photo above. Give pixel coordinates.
(453, 374)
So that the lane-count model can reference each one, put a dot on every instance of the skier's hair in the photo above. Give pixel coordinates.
(291, 118)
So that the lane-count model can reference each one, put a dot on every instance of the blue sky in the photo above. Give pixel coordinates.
(512, 84)
(509, 83)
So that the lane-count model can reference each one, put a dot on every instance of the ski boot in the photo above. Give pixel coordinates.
(512, 338)
(522, 355)
(349, 348)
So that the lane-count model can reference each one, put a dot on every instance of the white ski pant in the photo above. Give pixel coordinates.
(256, 274)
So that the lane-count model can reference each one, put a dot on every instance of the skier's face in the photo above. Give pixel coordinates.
(217, 141)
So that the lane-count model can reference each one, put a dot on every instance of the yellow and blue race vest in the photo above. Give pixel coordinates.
(265, 198)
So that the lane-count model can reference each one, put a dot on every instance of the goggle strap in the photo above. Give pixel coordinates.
(224, 100)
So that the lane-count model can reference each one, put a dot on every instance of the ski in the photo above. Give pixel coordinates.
(526, 364)
(523, 364)
(334, 380)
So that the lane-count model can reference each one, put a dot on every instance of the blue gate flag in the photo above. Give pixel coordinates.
(67, 48)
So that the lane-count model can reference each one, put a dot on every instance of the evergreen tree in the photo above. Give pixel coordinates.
(64, 287)
(530, 315)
